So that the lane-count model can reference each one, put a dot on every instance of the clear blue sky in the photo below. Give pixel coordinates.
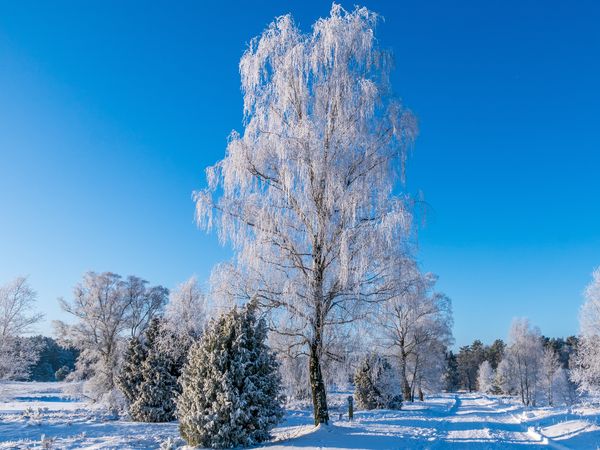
(109, 112)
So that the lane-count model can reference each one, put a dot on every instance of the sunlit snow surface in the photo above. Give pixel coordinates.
(29, 411)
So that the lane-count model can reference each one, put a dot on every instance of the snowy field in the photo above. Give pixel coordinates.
(45, 415)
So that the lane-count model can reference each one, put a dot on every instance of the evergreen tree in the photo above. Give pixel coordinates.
(469, 359)
(452, 375)
(130, 377)
(51, 358)
(231, 388)
(175, 345)
(157, 391)
(148, 378)
(62, 373)
(375, 384)
(495, 353)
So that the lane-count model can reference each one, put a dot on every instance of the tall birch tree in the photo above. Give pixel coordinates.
(308, 193)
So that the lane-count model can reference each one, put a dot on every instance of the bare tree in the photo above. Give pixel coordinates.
(523, 359)
(17, 317)
(416, 323)
(549, 368)
(107, 309)
(187, 312)
(145, 302)
(586, 371)
(308, 194)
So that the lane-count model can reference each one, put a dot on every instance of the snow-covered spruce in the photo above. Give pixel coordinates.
(148, 378)
(376, 384)
(156, 401)
(130, 377)
(231, 389)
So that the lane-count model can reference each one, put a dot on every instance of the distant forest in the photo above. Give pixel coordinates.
(54, 363)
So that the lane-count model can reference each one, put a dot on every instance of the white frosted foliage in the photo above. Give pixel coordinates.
(17, 317)
(485, 378)
(587, 361)
(307, 193)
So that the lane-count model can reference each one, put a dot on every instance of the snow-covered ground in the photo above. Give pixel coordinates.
(45, 415)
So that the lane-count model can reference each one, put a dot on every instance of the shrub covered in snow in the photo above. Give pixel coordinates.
(231, 388)
(376, 384)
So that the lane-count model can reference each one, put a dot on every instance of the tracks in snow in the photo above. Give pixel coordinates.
(476, 421)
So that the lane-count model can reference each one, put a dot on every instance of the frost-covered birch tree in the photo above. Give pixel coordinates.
(416, 324)
(549, 373)
(186, 312)
(17, 317)
(523, 359)
(586, 372)
(106, 309)
(145, 303)
(307, 194)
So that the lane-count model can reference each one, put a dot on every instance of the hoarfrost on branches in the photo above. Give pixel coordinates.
(186, 312)
(586, 372)
(107, 309)
(17, 355)
(522, 361)
(416, 324)
(307, 193)
(376, 384)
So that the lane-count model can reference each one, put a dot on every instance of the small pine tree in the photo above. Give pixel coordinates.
(375, 384)
(130, 377)
(231, 388)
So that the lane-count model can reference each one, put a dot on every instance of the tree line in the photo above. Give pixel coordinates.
(157, 355)
(538, 369)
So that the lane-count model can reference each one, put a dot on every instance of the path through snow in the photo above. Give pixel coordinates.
(447, 421)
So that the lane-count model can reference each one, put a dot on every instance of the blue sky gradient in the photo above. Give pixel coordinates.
(109, 113)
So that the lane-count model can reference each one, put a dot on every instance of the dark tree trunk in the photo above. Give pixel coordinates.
(317, 384)
(407, 391)
(413, 384)
(405, 384)
(317, 387)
